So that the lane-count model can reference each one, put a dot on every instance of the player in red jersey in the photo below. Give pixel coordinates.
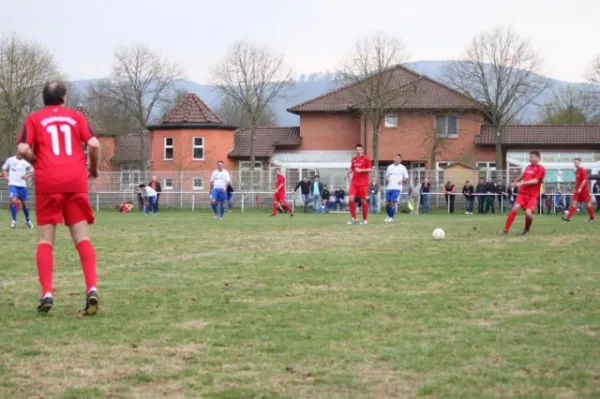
(582, 192)
(279, 196)
(52, 138)
(360, 168)
(529, 185)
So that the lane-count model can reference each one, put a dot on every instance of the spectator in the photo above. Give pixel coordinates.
(140, 199)
(480, 190)
(315, 190)
(325, 194)
(425, 190)
(501, 190)
(155, 185)
(373, 194)
(415, 194)
(512, 193)
(340, 196)
(469, 194)
(596, 191)
(490, 195)
(230, 197)
(450, 192)
(304, 186)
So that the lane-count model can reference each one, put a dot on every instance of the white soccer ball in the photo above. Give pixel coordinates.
(438, 234)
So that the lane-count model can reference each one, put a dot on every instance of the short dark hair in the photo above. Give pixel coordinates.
(578, 159)
(142, 185)
(358, 146)
(399, 155)
(54, 93)
(276, 169)
(536, 153)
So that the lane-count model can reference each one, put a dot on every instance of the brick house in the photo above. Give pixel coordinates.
(433, 126)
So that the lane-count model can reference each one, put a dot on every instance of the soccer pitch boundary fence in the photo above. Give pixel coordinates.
(550, 203)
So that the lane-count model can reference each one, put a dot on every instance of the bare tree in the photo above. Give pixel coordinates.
(568, 105)
(233, 113)
(114, 116)
(252, 77)
(24, 68)
(503, 71)
(369, 74)
(143, 83)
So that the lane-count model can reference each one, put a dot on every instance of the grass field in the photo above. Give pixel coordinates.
(252, 307)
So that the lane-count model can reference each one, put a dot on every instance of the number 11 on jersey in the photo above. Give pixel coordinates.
(66, 130)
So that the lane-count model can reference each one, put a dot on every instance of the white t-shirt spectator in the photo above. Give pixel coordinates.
(395, 174)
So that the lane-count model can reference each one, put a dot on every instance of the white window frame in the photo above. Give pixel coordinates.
(245, 165)
(446, 135)
(168, 146)
(133, 170)
(194, 147)
(390, 120)
(165, 185)
(201, 187)
(485, 167)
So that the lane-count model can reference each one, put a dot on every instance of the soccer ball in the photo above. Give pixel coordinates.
(438, 234)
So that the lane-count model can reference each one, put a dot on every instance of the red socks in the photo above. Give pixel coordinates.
(573, 209)
(591, 213)
(45, 262)
(87, 255)
(352, 206)
(287, 207)
(365, 209)
(512, 215)
(275, 208)
(571, 212)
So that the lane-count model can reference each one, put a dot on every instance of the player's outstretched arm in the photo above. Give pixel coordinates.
(26, 152)
(94, 153)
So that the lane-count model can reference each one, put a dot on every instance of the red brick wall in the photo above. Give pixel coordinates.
(413, 138)
(329, 131)
(217, 144)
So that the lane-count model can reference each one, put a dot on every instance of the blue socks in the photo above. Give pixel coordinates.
(230, 205)
(222, 209)
(392, 211)
(147, 209)
(214, 207)
(13, 211)
(26, 212)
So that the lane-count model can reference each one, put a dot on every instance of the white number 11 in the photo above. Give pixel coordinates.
(66, 130)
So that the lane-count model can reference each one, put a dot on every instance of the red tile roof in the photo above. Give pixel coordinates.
(421, 92)
(94, 124)
(127, 148)
(267, 140)
(543, 135)
(191, 110)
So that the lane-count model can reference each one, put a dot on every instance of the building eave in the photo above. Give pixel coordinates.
(192, 126)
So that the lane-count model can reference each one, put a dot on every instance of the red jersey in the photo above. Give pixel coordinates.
(360, 178)
(581, 176)
(280, 182)
(57, 135)
(533, 172)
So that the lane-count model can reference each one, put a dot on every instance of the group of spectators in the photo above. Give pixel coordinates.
(487, 197)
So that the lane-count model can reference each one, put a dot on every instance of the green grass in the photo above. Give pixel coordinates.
(252, 307)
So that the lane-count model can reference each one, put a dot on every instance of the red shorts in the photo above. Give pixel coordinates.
(583, 196)
(69, 208)
(528, 201)
(359, 190)
(279, 197)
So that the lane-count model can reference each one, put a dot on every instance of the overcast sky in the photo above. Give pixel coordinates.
(313, 34)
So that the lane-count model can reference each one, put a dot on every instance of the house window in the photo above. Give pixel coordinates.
(168, 184)
(486, 169)
(391, 120)
(446, 126)
(198, 183)
(245, 174)
(198, 150)
(168, 153)
(129, 176)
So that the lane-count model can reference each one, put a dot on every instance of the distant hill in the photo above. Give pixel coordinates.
(312, 85)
